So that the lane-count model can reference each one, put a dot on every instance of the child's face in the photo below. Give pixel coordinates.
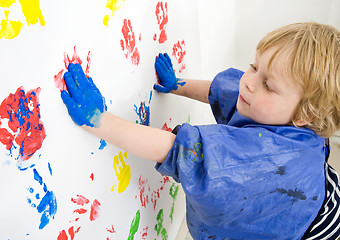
(268, 96)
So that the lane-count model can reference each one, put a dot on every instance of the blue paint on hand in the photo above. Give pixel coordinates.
(83, 99)
(166, 75)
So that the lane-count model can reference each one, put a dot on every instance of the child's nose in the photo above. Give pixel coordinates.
(250, 84)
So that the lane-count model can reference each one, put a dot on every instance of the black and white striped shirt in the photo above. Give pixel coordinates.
(327, 223)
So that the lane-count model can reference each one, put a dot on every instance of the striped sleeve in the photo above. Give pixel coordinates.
(327, 223)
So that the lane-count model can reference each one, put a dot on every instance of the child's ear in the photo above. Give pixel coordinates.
(301, 123)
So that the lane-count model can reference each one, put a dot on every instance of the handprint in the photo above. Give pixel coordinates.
(178, 51)
(123, 172)
(44, 201)
(129, 43)
(162, 20)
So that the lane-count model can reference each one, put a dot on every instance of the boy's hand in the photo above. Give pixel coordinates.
(83, 100)
(166, 75)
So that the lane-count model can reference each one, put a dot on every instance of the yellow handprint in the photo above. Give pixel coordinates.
(32, 12)
(123, 172)
(9, 29)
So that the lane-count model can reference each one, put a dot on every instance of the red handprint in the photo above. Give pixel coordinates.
(162, 20)
(178, 51)
(129, 43)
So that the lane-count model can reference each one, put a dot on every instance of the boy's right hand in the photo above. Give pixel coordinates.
(166, 74)
(83, 99)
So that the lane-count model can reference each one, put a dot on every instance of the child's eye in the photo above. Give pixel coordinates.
(253, 67)
(266, 86)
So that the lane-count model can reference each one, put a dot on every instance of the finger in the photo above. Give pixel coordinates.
(168, 58)
(78, 75)
(160, 88)
(166, 61)
(70, 84)
(93, 86)
(160, 67)
(68, 101)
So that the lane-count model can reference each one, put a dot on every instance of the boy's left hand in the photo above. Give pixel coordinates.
(83, 100)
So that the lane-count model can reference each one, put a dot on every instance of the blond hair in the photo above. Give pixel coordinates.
(314, 51)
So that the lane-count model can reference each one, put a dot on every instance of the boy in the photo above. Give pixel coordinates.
(260, 173)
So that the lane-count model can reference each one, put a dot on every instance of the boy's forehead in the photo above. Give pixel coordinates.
(276, 64)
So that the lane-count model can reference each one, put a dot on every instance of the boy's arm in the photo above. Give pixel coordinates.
(195, 89)
(87, 108)
(142, 141)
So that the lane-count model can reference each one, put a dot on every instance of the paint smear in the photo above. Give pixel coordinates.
(80, 200)
(25, 128)
(162, 21)
(59, 81)
(63, 236)
(143, 112)
(32, 12)
(148, 196)
(144, 233)
(173, 193)
(111, 229)
(128, 44)
(94, 210)
(178, 51)
(103, 144)
(113, 5)
(134, 226)
(9, 29)
(166, 128)
(6, 3)
(159, 226)
(123, 172)
(47, 206)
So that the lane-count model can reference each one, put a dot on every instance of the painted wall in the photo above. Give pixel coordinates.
(58, 181)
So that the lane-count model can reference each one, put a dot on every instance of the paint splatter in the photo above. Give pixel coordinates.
(92, 176)
(63, 236)
(59, 81)
(294, 194)
(123, 172)
(128, 44)
(166, 128)
(6, 3)
(134, 226)
(82, 201)
(111, 229)
(143, 112)
(162, 21)
(146, 195)
(159, 226)
(25, 129)
(113, 5)
(144, 233)
(173, 193)
(103, 144)
(9, 29)
(94, 210)
(178, 51)
(47, 206)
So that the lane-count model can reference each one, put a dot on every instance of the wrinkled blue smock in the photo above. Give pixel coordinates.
(244, 180)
